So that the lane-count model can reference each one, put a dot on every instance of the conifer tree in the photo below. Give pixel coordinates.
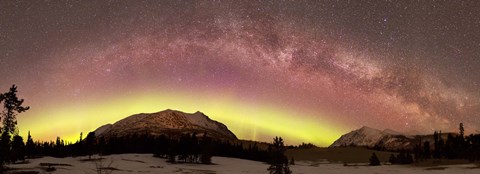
(462, 130)
(30, 146)
(90, 144)
(278, 161)
(392, 159)
(206, 150)
(374, 161)
(12, 106)
(18, 149)
(426, 149)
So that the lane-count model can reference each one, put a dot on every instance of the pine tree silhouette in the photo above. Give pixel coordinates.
(278, 162)
(462, 130)
(12, 106)
(426, 149)
(374, 161)
(18, 149)
(392, 159)
(206, 150)
(90, 144)
(30, 147)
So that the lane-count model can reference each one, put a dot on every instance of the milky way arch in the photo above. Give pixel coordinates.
(327, 67)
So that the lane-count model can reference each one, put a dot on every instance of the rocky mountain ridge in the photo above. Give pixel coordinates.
(386, 139)
(168, 122)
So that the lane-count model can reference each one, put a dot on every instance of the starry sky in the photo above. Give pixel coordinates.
(308, 71)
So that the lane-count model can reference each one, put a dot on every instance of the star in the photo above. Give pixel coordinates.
(328, 66)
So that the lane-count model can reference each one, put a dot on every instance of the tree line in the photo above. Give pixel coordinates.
(189, 148)
(455, 146)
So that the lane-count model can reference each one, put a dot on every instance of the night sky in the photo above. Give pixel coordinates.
(307, 71)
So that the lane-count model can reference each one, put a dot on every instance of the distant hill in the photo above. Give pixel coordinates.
(386, 139)
(168, 122)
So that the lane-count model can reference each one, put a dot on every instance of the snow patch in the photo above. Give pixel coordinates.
(146, 163)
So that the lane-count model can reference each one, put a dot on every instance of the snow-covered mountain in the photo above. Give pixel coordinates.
(370, 137)
(167, 122)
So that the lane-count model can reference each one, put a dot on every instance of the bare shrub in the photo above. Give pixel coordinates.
(103, 166)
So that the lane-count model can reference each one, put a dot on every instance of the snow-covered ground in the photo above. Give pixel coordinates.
(146, 163)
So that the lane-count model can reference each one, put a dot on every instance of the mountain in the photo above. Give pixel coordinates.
(364, 136)
(102, 129)
(370, 137)
(168, 122)
(386, 139)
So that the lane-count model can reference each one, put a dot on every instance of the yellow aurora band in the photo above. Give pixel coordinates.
(247, 121)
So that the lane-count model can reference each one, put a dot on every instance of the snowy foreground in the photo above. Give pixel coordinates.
(146, 163)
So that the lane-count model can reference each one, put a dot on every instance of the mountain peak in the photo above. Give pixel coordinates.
(366, 128)
(370, 137)
(168, 122)
(365, 136)
(392, 132)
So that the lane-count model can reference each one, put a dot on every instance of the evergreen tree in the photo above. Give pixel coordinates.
(417, 150)
(278, 161)
(392, 159)
(374, 161)
(184, 147)
(3, 151)
(426, 149)
(59, 148)
(90, 144)
(206, 150)
(30, 146)
(447, 150)
(80, 149)
(441, 145)
(12, 106)
(101, 145)
(462, 130)
(451, 147)
(172, 151)
(401, 157)
(409, 159)
(18, 149)
(436, 152)
(194, 149)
